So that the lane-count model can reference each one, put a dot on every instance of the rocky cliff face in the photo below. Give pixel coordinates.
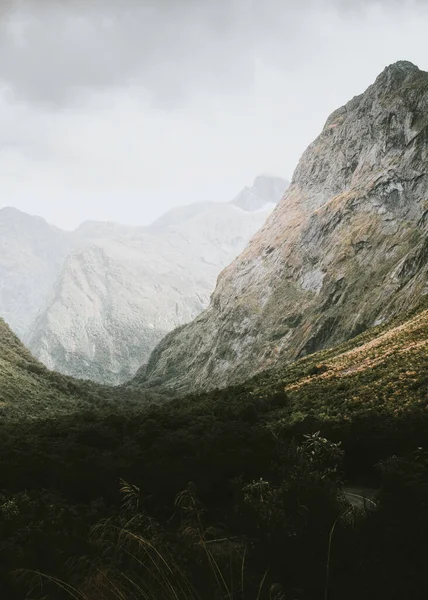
(124, 288)
(345, 249)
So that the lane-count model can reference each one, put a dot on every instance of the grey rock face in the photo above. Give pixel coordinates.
(122, 288)
(31, 256)
(346, 248)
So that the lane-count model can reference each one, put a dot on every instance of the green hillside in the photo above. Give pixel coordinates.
(29, 390)
(268, 462)
(383, 370)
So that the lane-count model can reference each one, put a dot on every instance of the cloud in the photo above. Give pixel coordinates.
(52, 52)
(122, 109)
(55, 51)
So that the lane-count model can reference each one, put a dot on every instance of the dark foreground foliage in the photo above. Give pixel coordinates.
(234, 494)
(225, 499)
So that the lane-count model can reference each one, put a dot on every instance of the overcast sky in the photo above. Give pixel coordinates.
(121, 109)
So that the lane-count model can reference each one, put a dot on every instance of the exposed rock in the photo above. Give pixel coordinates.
(346, 248)
(124, 288)
(31, 256)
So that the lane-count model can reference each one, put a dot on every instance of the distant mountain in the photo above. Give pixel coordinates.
(264, 190)
(345, 249)
(122, 289)
(32, 253)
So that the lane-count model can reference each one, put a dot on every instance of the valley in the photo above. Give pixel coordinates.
(232, 462)
(93, 303)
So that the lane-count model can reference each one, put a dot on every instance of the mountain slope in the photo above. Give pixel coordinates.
(28, 390)
(345, 249)
(60, 472)
(31, 254)
(124, 288)
(382, 370)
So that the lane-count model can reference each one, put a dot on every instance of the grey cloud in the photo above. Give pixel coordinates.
(251, 83)
(50, 52)
(53, 50)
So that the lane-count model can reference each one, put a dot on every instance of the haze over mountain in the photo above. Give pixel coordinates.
(106, 294)
(345, 249)
(213, 395)
(31, 255)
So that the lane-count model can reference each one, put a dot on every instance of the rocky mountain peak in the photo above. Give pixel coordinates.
(344, 249)
(265, 190)
(395, 75)
(399, 68)
(268, 185)
(371, 130)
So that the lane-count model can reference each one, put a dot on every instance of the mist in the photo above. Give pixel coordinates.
(122, 110)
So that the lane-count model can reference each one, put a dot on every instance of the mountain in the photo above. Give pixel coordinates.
(264, 189)
(346, 248)
(382, 371)
(31, 255)
(123, 288)
(28, 390)
(249, 477)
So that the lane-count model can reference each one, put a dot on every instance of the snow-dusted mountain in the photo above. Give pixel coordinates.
(119, 290)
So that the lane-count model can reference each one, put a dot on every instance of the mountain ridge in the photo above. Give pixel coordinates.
(31, 255)
(123, 288)
(344, 249)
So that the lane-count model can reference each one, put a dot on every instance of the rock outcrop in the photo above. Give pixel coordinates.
(345, 249)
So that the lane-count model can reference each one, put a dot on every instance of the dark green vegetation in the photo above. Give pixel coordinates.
(28, 390)
(231, 494)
